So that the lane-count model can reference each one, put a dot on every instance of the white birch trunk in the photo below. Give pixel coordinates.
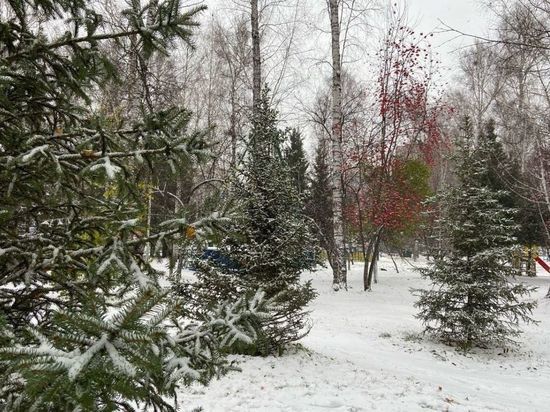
(256, 57)
(339, 269)
(147, 248)
(544, 183)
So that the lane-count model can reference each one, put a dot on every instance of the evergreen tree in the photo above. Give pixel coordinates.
(503, 174)
(497, 163)
(296, 160)
(319, 202)
(270, 243)
(472, 301)
(84, 323)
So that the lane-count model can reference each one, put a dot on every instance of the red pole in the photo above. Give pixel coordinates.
(543, 264)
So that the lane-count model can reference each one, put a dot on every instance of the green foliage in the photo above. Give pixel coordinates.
(412, 180)
(138, 354)
(85, 324)
(503, 173)
(270, 242)
(415, 174)
(295, 158)
(473, 301)
(319, 200)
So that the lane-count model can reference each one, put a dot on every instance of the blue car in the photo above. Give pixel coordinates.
(218, 259)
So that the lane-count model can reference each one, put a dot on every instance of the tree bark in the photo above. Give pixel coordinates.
(374, 246)
(366, 266)
(339, 270)
(233, 131)
(256, 58)
(544, 182)
(178, 255)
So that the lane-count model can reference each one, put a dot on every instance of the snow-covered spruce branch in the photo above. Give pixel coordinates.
(124, 346)
(175, 224)
(231, 320)
(171, 21)
(26, 157)
(115, 155)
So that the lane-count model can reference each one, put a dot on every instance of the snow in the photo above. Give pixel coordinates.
(179, 368)
(119, 361)
(81, 360)
(139, 276)
(111, 170)
(365, 353)
(27, 157)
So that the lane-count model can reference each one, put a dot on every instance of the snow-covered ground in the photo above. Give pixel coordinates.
(364, 353)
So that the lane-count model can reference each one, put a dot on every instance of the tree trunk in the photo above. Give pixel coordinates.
(530, 267)
(256, 58)
(375, 242)
(339, 270)
(233, 131)
(375, 259)
(394, 263)
(544, 181)
(523, 136)
(367, 265)
(363, 240)
(178, 255)
(147, 252)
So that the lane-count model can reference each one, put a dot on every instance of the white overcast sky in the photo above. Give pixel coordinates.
(469, 16)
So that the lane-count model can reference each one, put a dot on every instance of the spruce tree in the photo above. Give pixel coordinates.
(497, 163)
(319, 201)
(503, 174)
(269, 243)
(84, 322)
(295, 158)
(473, 301)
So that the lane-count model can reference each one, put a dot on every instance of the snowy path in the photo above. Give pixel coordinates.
(363, 354)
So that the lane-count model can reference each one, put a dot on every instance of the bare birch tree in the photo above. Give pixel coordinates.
(479, 66)
(339, 267)
(256, 57)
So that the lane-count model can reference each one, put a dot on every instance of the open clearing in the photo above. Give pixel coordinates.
(365, 353)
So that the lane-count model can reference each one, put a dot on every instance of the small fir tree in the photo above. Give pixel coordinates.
(473, 301)
(270, 243)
